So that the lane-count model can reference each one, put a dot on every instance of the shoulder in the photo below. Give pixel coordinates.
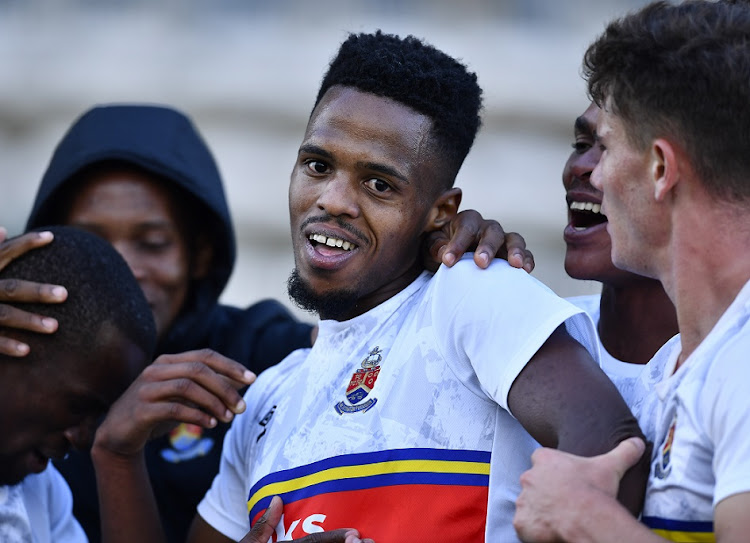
(271, 382)
(49, 504)
(499, 279)
(588, 302)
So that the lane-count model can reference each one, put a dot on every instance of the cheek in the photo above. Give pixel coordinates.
(172, 269)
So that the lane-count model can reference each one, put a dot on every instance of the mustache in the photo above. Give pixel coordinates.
(326, 218)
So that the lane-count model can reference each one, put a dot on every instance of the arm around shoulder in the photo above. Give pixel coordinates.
(565, 401)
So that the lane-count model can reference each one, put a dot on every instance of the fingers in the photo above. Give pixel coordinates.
(518, 255)
(196, 387)
(342, 535)
(233, 371)
(465, 231)
(194, 384)
(625, 455)
(18, 291)
(490, 244)
(265, 526)
(13, 248)
(14, 318)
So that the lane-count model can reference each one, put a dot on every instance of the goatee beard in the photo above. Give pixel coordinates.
(335, 305)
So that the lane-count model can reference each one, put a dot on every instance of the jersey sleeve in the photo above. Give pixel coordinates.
(728, 403)
(489, 323)
(224, 506)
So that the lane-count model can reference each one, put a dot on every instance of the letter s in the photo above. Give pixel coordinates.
(308, 524)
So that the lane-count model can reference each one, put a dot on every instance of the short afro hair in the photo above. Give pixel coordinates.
(418, 75)
(682, 71)
(102, 292)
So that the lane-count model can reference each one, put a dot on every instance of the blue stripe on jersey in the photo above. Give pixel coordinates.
(372, 470)
(359, 459)
(657, 523)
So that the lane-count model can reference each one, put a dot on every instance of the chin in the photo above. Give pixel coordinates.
(330, 305)
(588, 266)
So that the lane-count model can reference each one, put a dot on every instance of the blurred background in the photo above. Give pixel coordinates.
(247, 72)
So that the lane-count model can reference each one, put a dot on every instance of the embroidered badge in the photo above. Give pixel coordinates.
(663, 465)
(361, 384)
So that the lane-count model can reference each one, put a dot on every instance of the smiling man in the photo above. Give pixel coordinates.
(51, 400)
(633, 315)
(412, 416)
(398, 421)
(672, 81)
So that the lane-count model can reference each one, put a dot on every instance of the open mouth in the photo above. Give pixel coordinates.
(328, 241)
(583, 215)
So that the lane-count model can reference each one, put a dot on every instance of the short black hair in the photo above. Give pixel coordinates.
(682, 71)
(101, 292)
(421, 77)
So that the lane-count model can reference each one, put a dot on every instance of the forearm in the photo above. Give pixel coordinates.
(126, 500)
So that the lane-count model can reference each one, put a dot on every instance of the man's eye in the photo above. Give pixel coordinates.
(154, 244)
(317, 166)
(378, 185)
(581, 147)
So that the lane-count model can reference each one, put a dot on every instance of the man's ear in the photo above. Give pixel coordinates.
(202, 257)
(444, 209)
(665, 172)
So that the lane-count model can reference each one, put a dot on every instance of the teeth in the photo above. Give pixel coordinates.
(586, 206)
(332, 242)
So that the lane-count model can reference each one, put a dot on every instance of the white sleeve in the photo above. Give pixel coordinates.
(728, 425)
(491, 322)
(224, 506)
(49, 504)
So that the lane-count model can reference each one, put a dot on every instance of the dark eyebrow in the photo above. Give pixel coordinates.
(382, 168)
(314, 150)
(583, 126)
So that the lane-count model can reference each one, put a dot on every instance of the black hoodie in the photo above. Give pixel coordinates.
(164, 142)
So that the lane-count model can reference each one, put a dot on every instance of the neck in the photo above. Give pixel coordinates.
(707, 268)
(635, 320)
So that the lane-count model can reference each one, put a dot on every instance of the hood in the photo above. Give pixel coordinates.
(159, 140)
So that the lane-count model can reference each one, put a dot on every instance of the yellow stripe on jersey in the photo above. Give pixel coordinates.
(686, 537)
(367, 470)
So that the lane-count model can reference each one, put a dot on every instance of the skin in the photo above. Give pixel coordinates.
(338, 148)
(636, 315)
(161, 271)
(139, 218)
(13, 290)
(650, 194)
(45, 418)
(372, 188)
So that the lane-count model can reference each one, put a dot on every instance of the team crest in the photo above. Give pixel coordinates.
(663, 466)
(361, 384)
(186, 442)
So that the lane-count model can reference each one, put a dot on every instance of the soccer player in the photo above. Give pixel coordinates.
(672, 84)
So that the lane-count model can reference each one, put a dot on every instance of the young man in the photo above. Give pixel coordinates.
(142, 177)
(672, 82)
(633, 315)
(398, 421)
(51, 399)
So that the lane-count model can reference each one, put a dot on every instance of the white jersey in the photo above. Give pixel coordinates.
(39, 510)
(623, 374)
(700, 412)
(396, 421)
